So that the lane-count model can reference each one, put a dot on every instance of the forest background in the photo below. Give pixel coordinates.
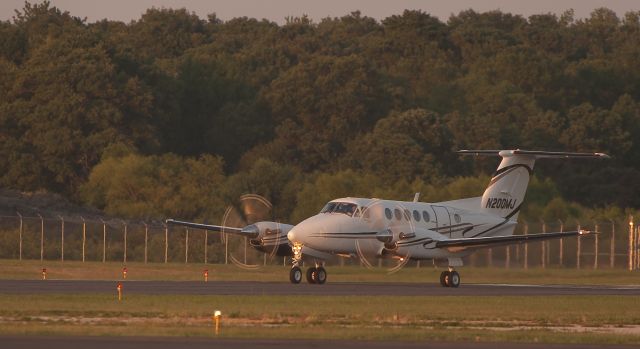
(173, 115)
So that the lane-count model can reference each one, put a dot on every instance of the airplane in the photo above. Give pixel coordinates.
(407, 230)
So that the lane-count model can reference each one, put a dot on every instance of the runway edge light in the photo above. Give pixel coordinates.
(216, 319)
(119, 288)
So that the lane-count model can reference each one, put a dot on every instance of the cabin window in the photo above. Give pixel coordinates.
(416, 216)
(425, 216)
(387, 212)
(457, 218)
(398, 214)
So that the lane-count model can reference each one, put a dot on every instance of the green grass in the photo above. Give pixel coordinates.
(12, 269)
(554, 319)
(344, 317)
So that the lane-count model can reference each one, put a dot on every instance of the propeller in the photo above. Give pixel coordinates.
(389, 232)
(252, 214)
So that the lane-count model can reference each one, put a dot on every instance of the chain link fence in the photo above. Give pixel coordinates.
(616, 244)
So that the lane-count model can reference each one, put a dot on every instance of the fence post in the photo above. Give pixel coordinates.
(579, 248)
(146, 239)
(507, 259)
(561, 247)
(166, 243)
(630, 243)
(226, 247)
(104, 240)
(84, 236)
(526, 247)
(41, 237)
(637, 252)
(62, 238)
(206, 241)
(543, 247)
(595, 247)
(612, 251)
(124, 254)
(490, 257)
(186, 246)
(20, 237)
(637, 249)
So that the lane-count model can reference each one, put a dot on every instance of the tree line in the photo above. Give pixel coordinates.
(177, 115)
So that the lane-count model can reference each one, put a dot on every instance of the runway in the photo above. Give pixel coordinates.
(283, 288)
(208, 343)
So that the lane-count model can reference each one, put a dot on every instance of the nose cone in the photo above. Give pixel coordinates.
(252, 231)
(291, 235)
(302, 231)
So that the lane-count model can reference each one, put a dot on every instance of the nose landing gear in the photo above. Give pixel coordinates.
(295, 275)
(450, 278)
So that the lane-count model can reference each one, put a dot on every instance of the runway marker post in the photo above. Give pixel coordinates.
(119, 288)
(216, 320)
(206, 275)
(44, 273)
(124, 272)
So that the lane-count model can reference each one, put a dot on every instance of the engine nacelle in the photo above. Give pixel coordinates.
(270, 238)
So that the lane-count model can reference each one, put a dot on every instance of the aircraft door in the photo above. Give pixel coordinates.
(443, 219)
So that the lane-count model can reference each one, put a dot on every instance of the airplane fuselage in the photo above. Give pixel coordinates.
(412, 227)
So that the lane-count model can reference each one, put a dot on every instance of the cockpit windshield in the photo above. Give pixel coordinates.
(340, 207)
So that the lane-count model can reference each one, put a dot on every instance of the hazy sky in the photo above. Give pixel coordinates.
(277, 10)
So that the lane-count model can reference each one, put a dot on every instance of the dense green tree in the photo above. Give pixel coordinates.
(377, 106)
(133, 185)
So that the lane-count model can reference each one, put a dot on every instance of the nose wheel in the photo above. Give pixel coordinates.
(450, 278)
(295, 275)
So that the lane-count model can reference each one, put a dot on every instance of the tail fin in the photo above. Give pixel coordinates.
(505, 193)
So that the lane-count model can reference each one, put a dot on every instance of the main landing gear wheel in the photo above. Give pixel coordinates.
(450, 279)
(444, 277)
(321, 275)
(312, 275)
(295, 275)
(454, 279)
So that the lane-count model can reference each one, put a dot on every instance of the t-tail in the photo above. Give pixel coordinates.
(505, 193)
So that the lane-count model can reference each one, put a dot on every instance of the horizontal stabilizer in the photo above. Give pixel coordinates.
(535, 153)
(492, 241)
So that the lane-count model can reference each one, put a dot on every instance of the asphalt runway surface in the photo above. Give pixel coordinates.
(15, 342)
(284, 288)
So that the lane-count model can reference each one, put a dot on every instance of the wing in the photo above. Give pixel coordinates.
(455, 245)
(210, 227)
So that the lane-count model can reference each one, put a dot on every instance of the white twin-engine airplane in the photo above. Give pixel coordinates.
(356, 227)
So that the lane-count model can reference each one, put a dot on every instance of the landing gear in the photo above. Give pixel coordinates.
(450, 278)
(311, 275)
(316, 275)
(444, 278)
(321, 275)
(295, 275)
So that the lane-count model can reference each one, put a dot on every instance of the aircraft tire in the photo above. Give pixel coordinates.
(321, 275)
(444, 276)
(312, 275)
(454, 279)
(295, 275)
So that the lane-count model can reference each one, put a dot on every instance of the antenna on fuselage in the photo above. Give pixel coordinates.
(416, 197)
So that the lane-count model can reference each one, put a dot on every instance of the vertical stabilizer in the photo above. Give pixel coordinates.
(505, 193)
